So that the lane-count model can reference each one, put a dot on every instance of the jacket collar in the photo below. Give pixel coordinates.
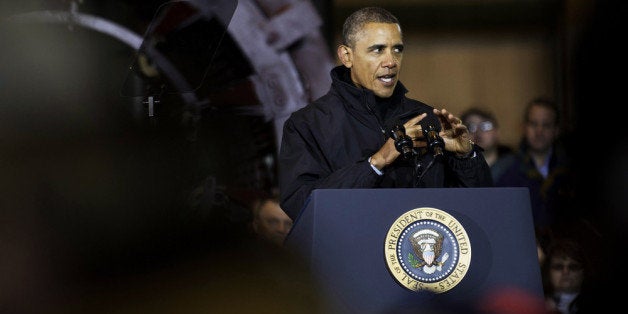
(357, 97)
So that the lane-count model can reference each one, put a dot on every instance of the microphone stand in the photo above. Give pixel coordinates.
(435, 145)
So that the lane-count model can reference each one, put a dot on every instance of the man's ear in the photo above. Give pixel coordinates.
(345, 55)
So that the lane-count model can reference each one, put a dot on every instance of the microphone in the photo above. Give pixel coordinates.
(435, 143)
(430, 126)
(403, 143)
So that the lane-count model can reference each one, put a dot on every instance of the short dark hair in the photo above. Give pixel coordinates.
(567, 247)
(354, 23)
(544, 102)
(475, 111)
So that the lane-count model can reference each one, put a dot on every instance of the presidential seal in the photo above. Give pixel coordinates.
(427, 249)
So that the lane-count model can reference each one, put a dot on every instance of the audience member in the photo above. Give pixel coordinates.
(484, 131)
(270, 222)
(542, 165)
(566, 271)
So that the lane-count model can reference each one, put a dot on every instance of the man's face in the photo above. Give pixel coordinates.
(540, 129)
(272, 223)
(375, 59)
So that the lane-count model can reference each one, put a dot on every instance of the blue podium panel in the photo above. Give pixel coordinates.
(342, 234)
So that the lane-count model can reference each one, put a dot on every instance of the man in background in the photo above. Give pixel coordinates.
(543, 165)
(270, 222)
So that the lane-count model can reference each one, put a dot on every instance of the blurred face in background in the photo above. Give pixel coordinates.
(271, 223)
(483, 132)
(540, 128)
(566, 274)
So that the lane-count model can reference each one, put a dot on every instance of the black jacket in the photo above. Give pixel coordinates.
(326, 145)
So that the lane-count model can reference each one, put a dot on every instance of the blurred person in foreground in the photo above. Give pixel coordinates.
(346, 138)
(484, 131)
(270, 223)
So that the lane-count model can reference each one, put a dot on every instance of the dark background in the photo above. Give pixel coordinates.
(95, 191)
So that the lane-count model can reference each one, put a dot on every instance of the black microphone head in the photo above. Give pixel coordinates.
(403, 143)
(431, 128)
